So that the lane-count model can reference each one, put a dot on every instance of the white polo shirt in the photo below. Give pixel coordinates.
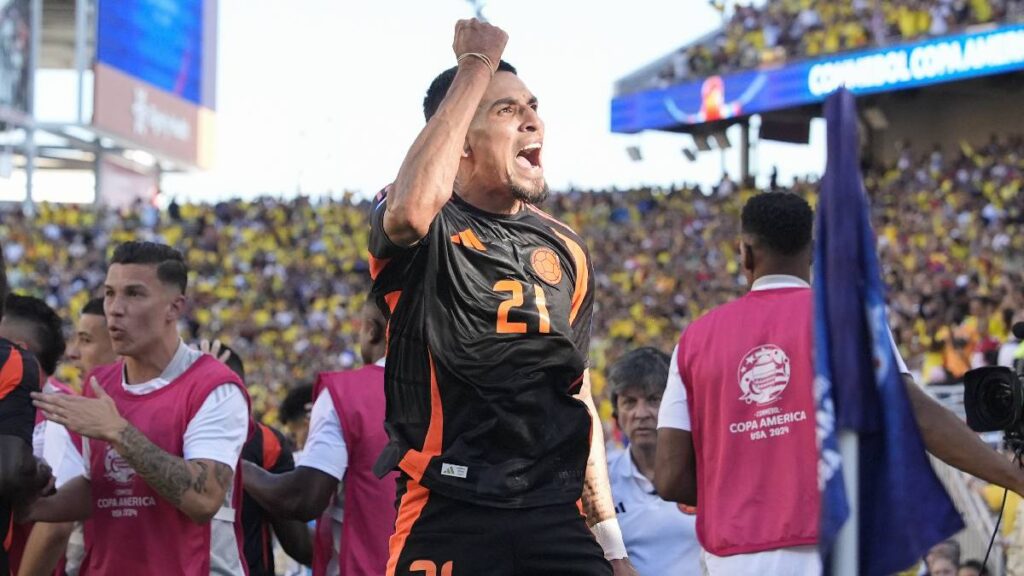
(675, 413)
(660, 539)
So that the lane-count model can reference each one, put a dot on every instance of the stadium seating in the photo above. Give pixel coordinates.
(781, 30)
(282, 280)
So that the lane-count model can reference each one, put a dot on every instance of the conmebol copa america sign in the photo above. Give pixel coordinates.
(937, 60)
(900, 67)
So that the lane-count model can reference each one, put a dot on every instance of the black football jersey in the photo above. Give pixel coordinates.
(489, 322)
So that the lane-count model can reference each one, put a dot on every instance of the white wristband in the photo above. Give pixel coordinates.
(609, 536)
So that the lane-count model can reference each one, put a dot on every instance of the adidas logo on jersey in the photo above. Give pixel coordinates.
(453, 470)
(468, 238)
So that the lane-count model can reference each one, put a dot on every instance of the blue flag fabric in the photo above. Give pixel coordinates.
(903, 509)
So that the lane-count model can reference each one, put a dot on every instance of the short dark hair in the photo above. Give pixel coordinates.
(780, 221)
(439, 88)
(94, 307)
(645, 368)
(170, 264)
(976, 565)
(293, 407)
(46, 325)
(234, 362)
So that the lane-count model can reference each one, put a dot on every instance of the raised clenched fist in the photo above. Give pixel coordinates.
(479, 37)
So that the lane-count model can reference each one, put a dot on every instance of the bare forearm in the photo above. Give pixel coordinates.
(947, 438)
(597, 493)
(675, 468)
(301, 494)
(73, 502)
(273, 492)
(196, 487)
(45, 548)
(18, 478)
(425, 180)
(295, 539)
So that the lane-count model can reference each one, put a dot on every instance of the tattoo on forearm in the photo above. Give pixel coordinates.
(597, 494)
(199, 484)
(593, 497)
(168, 475)
(171, 476)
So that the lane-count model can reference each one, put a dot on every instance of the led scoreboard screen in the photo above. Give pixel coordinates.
(945, 59)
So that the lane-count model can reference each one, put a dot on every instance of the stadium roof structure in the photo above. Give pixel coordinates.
(125, 90)
(964, 70)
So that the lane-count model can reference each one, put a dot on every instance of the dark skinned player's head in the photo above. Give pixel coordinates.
(776, 235)
(31, 322)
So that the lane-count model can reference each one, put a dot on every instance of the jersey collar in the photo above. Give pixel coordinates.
(776, 281)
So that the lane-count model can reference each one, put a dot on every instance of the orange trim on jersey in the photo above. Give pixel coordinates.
(377, 266)
(391, 299)
(579, 292)
(409, 510)
(271, 447)
(547, 216)
(9, 539)
(12, 372)
(415, 462)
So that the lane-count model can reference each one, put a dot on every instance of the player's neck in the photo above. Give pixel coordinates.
(797, 271)
(151, 363)
(643, 459)
(493, 201)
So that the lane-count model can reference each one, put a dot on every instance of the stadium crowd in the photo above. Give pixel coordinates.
(283, 281)
(781, 30)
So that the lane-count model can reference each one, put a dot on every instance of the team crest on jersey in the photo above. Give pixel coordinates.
(117, 468)
(546, 265)
(763, 375)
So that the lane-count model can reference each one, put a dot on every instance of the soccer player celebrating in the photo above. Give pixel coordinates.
(165, 427)
(489, 305)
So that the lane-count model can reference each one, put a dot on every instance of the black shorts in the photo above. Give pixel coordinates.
(439, 536)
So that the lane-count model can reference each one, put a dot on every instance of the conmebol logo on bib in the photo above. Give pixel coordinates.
(763, 374)
(117, 468)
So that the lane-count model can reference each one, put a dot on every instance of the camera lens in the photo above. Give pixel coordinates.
(992, 399)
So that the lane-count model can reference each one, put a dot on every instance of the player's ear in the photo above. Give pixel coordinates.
(746, 255)
(377, 332)
(177, 308)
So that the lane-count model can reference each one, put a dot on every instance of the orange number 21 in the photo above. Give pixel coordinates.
(430, 568)
(505, 326)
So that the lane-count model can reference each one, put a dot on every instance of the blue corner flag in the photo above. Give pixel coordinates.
(902, 507)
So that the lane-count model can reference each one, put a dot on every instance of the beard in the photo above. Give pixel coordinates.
(534, 195)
